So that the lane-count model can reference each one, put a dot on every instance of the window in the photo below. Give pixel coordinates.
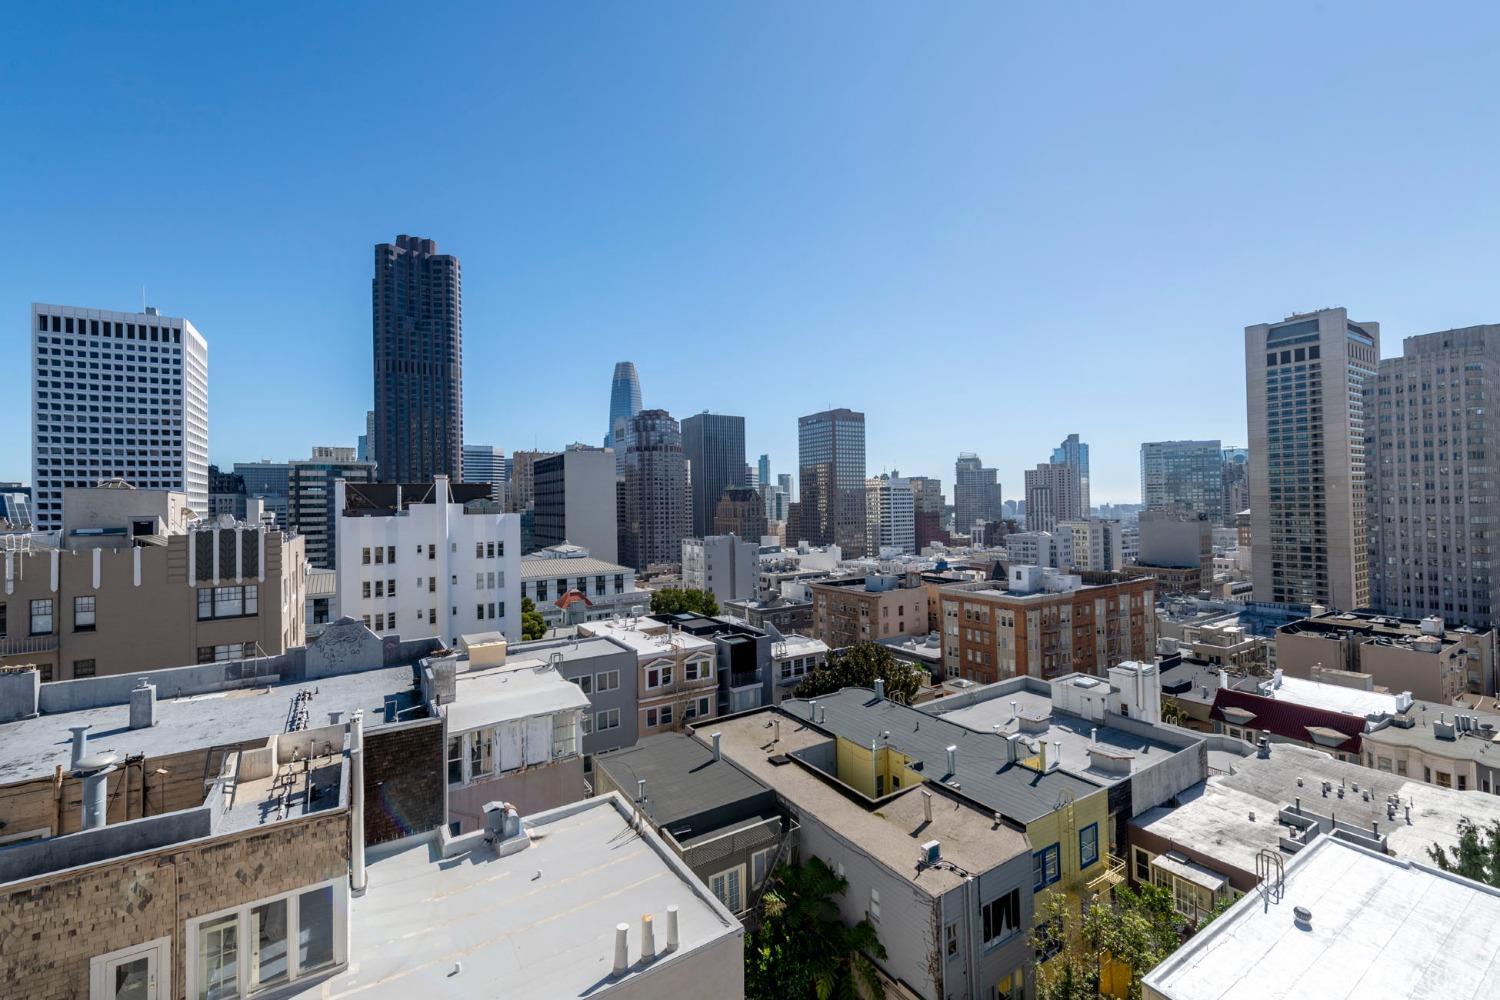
(364, 555)
(1000, 918)
(1142, 866)
(605, 720)
(696, 709)
(1046, 867)
(1012, 987)
(874, 910)
(1088, 845)
(1050, 937)
(390, 553)
(455, 760)
(364, 591)
(83, 614)
(478, 550)
(659, 676)
(950, 940)
(481, 753)
(431, 551)
(695, 670)
(492, 550)
(758, 862)
(379, 555)
(41, 617)
(233, 602)
(607, 680)
(586, 723)
(265, 944)
(585, 683)
(83, 668)
(726, 886)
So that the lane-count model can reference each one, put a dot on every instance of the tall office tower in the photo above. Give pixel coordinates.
(1235, 475)
(521, 483)
(1074, 453)
(92, 367)
(419, 386)
(763, 471)
(1054, 492)
(715, 445)
(890, 518)
(1307, 457)
(312, 504)
(1187, 475)
(624, 403)
(656, 491)
(831, 477)
(976, 494)
(366, 449)
(927, 511)
(740, 512)
(1432, 497)
(270, 482)
(574, 502)
(484, 463)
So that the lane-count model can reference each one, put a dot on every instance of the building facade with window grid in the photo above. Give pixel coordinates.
(116, 395)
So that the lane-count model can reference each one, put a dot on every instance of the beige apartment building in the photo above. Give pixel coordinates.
(676, 674)
(867, 609)
(1045, 624)
(1432, 661)
(136, 581)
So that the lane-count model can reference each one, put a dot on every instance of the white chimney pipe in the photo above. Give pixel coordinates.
(672, 941)
(953, 760)
(717, 754)
(927, 805)
(777, 724)
(80, 745)
(622, 949)
(357, 877)
(648, 939)
(880, 687)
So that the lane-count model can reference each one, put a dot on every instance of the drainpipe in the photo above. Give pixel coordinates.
(357, 802)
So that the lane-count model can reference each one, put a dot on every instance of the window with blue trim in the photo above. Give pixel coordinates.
(1046, 867)
(1088, 845)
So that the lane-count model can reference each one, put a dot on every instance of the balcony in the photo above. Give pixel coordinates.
(1113, 875)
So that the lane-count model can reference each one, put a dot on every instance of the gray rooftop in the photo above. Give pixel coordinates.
(1075, 733)
(984, 775)
(682, 778)
(34, 747)
(572, 649)
(536, 924)
(1477, 744)
(1380, 929)
(571, 568)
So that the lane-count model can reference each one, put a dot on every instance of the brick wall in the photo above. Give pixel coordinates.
(405, 777)
(51, 927)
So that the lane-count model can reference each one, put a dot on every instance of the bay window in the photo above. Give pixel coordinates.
(267, 943)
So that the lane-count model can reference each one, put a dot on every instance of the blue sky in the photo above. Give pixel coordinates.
(985, 226)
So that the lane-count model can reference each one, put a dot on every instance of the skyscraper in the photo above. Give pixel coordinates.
(655, 494)
(1235, 475)
(1054, 493)
(890, 520)
(312, 500)
(419, 393)
(831, 479)
(152, 367)
(624, 403)
(484, 463)
(1187, 475)
(715, 445)
(927, 511)
(763, 477)
(976, 493)
(575, 502)
(1431, 497)
(1304, 386)
(366, 450)
(1075, 454)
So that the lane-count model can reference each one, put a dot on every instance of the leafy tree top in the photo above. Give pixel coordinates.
(683, 600)
(859, 666)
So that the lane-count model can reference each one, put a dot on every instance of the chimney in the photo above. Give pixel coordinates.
(80, 745)
(648, 939)
(96, 769)
(672, 939)
(717, 754)
(776, 724)
(880, 688)
(143, 705)
(622, 949)
(926, 805)
(953, 760)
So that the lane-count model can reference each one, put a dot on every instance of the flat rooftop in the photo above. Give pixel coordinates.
(521, 688)
(1332, 697)
(1216, 817)
(682, 777)
(33, 748)
(536, 924)
(647, 636)
(893, 833)
(1075, 733)
(1380, 929)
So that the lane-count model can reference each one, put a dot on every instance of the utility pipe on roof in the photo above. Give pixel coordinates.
(357, 875)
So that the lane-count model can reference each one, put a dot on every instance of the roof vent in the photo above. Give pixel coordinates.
(953, 760)
(1303, 917)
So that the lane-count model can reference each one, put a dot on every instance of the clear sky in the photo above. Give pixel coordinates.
(986, 227)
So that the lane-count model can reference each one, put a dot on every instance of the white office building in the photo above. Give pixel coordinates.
(890, 515)
(1097, 544)
(422, 565)
(116, 396)
(727, 566)
(484, 463)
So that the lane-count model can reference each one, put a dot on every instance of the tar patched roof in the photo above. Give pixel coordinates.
(983, 773)
(682, 777)
(1377, 929)
(536, 924)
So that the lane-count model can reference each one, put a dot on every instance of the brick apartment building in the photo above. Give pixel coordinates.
(1045, 624)
(865, 609)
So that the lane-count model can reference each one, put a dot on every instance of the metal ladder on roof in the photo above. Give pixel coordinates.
(1270, 870)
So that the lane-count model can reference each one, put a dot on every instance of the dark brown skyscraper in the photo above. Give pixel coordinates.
(831, 449)
(419, 395)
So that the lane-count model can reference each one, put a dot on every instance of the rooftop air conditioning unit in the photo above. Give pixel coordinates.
(932, 851)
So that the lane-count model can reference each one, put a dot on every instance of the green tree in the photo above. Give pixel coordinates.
(1136, 929)
(1477, 855)
(858, 666)
(533, 625)
(1172, 713)
(680, 600)
(802, 948)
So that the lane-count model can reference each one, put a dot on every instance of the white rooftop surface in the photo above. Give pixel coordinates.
(799, 645)
(646, 645)
(1334, 697)
(520, 689)
(1381, 929)
(536, 924)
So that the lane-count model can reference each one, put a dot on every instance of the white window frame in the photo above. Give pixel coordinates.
(738, 871)
(99, 967)
(611, 678)
(241, 912)
(609, 715)
(762, 858)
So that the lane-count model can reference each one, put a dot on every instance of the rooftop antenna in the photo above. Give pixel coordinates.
(143, 298)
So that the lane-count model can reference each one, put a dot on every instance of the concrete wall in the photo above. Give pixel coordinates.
(530, 790)
(1171, 773)
(35, 858)
(51, 927)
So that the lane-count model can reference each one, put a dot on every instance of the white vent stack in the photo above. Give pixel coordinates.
(776, 728)
(672, 939)
(927, 805)
(880, 688)
(648, 938)
(96, 769)
(80, 745)
(143, 705)
(953, 760)
(622, 949)
(718, 755)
